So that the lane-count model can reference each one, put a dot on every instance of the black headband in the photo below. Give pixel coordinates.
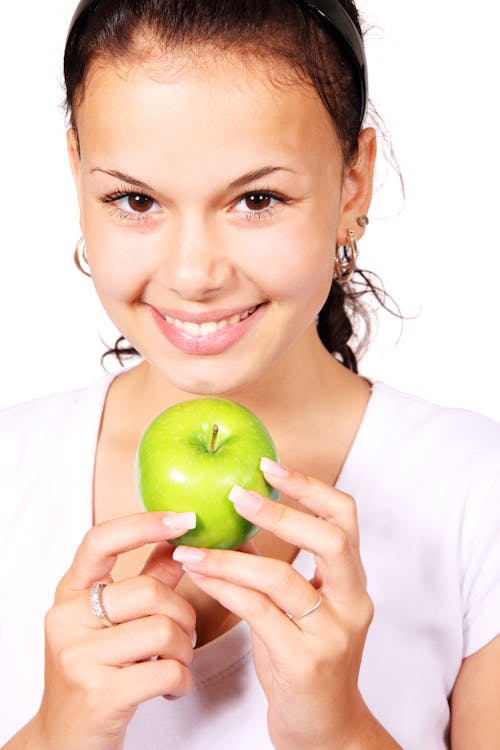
(330, 14)
(336, 21)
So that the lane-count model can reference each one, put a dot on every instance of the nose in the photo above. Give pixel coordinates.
(196, 265)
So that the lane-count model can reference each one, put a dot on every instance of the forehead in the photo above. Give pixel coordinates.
(187, 106)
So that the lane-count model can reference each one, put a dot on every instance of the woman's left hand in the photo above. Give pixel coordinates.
(308, 665)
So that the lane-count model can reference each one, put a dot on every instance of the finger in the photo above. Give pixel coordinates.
(249, 547)
(323, 499)
(277, 579)
(132, 599)
(161, 566)
(337, 562)
(102, 544)
(151, 679)
(137, 640)
(272, 625)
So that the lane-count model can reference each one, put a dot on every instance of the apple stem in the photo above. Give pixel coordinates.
(215, 430)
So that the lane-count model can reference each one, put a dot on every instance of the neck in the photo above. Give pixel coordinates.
(308, 393)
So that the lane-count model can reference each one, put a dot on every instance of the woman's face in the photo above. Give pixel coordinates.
(211, 203)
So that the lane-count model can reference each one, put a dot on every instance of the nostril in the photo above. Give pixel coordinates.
(194, 294)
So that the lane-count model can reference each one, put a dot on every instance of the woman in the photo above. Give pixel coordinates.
(224, 180)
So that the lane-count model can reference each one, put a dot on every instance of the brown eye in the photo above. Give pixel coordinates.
(140, 203)
(258, 201)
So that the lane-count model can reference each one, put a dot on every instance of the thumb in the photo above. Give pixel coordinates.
(160, 565)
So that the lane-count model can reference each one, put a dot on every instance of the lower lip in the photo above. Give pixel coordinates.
(213, 343)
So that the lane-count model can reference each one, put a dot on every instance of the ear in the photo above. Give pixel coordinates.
(357, 186)
(75, 164)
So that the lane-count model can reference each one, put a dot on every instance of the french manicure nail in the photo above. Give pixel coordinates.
(246, 500)
(188, 554)
(273, 469)
(180, 520)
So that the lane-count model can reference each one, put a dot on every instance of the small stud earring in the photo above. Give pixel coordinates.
(363, 221)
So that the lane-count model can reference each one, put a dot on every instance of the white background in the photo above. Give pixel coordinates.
(433, 75)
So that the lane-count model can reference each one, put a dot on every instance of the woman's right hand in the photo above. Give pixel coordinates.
(96, 676)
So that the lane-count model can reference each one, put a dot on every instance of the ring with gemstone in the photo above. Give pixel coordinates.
(97, 605)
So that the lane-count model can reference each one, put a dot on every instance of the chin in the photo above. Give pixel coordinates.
(200, 380)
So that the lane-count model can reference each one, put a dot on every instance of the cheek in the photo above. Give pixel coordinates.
(121, 261)
(116, 276)
(295, 263)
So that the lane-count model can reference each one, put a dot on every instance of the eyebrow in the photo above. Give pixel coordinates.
(256, 174)
(124, 178)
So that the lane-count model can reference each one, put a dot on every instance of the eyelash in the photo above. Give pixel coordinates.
(126, 192)
(264, 213)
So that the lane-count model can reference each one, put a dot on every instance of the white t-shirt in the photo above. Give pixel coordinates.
(427, 485)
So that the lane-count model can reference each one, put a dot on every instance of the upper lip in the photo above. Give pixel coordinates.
(204, 317)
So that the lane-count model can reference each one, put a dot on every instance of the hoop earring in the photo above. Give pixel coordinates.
(345, 259)
(80, 257)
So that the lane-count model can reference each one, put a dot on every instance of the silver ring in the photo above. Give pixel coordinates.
(96, 603)
(307, 612)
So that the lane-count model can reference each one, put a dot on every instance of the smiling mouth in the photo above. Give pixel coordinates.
(199, 330)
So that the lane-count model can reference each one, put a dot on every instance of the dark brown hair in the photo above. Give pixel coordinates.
(129, 30)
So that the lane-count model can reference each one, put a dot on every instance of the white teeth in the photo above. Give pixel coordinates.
(192, 328)
(205, 329)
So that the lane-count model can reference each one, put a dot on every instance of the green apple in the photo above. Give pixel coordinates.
(190, 457)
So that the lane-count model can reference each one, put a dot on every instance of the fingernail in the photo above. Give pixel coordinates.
(245, 500)
(180, 520)
(191, 573)
(273, 469)
(194, 639)
(188, 554)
